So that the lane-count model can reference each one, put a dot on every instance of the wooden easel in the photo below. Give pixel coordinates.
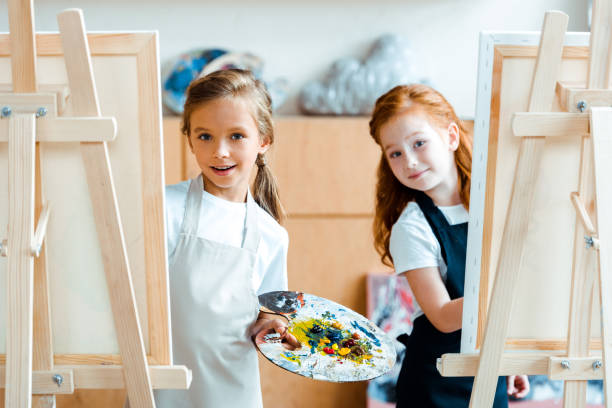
(594, 125)
(29, 356)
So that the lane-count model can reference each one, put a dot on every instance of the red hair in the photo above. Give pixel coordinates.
(391, 195)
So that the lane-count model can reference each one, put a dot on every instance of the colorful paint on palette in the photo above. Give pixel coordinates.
(337, 344)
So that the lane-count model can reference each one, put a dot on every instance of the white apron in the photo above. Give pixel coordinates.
(213, 304)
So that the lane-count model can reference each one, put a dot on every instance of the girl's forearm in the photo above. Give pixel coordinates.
(449, 316)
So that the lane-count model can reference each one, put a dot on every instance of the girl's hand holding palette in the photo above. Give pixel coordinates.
(337, 344)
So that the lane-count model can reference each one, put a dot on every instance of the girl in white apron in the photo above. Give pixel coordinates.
(225, 244)
(420, 229)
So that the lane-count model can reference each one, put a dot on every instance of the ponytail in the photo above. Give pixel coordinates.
(265, 190)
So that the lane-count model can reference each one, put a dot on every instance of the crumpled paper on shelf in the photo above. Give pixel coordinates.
(351, 87)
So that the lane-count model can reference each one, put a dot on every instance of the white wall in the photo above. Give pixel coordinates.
(299, 39)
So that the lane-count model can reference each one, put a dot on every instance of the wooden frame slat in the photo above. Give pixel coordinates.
(149, 91)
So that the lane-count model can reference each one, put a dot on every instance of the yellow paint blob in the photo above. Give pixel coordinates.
(292, 357)
(335, 346)
(344, 351)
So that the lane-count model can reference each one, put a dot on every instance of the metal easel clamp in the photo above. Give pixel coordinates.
(575, 368)
(591, 242)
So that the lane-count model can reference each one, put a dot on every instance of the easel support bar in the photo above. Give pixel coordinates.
(557, 367)
(101, 377)
(29, 102)
(535, 124)
(70, 129)
(576, 99)
(58, 381)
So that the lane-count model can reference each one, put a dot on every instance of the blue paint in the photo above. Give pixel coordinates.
(328, 315)
(367, 333)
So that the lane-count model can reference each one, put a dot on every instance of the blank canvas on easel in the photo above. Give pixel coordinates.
(127, 82)
(540, 313)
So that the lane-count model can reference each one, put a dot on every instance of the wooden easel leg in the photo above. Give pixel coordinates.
(517, 221)
(20, 262)
(42, 339)
(583, 280)
(601, 132)
(106, 213)
(21, 205)
(23, 47)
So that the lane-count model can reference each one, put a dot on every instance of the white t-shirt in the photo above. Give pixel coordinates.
(413, 244)
(223, 221)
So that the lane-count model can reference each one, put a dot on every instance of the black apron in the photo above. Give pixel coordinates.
(420, 385)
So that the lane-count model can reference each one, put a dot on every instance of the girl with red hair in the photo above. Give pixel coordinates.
(420, 228)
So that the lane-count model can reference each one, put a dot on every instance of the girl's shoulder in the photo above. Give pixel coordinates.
(411, 228)
(176, 195)
(412, 215)
(177, 191)
(270, 229)
(412, 244)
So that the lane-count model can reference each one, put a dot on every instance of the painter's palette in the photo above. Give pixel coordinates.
(338, 344)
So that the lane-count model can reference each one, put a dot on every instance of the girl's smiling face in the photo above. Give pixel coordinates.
(421, 154)
(225, 140)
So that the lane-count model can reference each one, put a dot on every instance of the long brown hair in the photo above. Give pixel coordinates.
(241, 83)
(391, 195)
